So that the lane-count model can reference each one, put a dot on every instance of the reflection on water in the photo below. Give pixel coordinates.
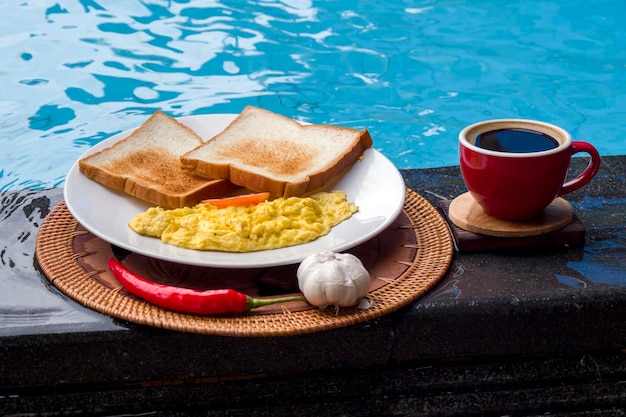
(600, 261)
(24, 302)
(76, 72)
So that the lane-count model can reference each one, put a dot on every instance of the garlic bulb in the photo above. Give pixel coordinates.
(333, 279)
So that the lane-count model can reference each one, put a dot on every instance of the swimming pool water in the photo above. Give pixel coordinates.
(414, 73)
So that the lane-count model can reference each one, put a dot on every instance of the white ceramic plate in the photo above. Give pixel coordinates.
(374, 184)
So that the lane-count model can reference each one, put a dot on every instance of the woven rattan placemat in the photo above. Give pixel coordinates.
(405, 261)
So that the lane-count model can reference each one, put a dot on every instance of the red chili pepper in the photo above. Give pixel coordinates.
(186, 300)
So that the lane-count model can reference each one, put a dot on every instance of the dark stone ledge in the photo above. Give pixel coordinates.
(532, 331)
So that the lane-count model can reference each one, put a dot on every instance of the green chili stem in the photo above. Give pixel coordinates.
(260, 302)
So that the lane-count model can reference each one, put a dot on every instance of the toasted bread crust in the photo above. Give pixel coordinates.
(281, 166)
(142, 166)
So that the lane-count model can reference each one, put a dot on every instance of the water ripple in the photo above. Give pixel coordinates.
(414, 74)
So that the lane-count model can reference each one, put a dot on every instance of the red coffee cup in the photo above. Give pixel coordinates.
(513, 180)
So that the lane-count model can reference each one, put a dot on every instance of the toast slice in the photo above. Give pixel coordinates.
(264, 151)
(147, 165)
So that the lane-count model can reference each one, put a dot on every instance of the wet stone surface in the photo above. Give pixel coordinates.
(499, 304)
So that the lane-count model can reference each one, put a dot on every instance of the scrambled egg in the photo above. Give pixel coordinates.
(269, 225)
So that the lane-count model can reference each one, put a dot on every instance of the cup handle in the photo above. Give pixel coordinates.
(589, 171)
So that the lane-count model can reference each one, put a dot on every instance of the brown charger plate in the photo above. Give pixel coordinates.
(405, 261)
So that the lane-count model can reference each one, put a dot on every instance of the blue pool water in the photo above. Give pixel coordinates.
(412, 72)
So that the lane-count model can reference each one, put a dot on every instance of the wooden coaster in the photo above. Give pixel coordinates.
(572, 234)
(467, 214)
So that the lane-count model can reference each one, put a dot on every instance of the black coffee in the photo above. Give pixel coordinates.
(515, 140)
